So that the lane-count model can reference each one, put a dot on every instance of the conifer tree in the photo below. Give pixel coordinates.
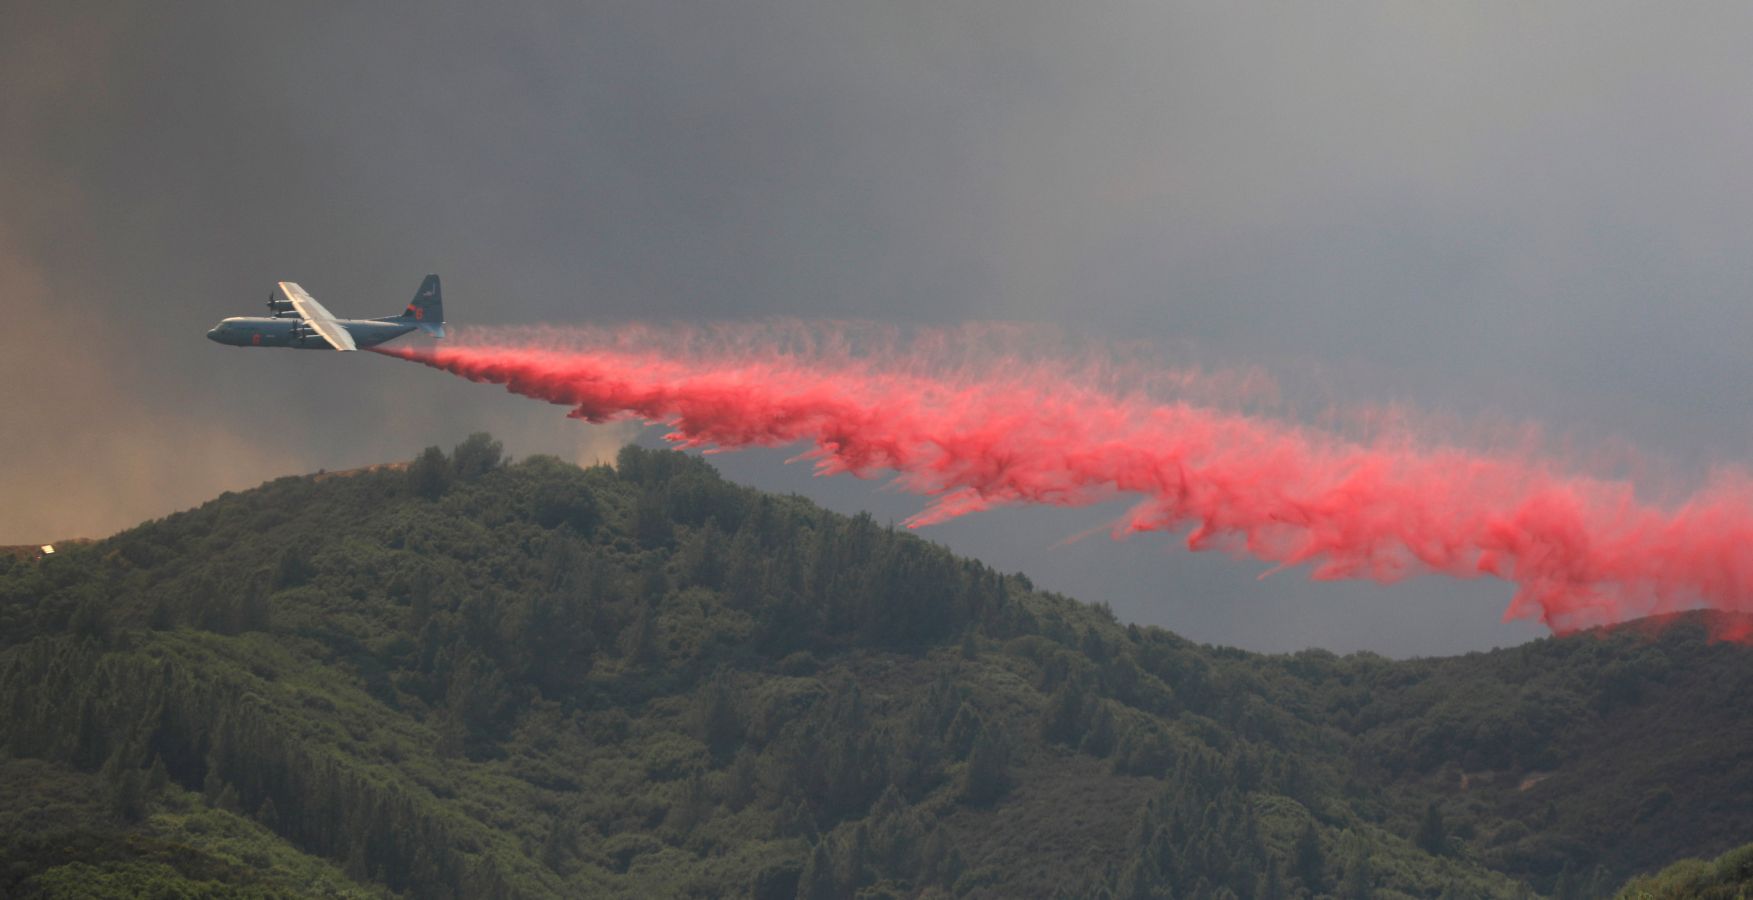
(1099, 741)
(1567, 886)
(987, 775)
(1359, 876)
(1062, 720)
(477, 455)
(229, 800)
(963, 728)
(557, 844)
(268, 815)
(1135, 882)
(161, 617)
(1432, 837)
(158, 777)
(1308, 862)
(429, 474)
(817, 880)
(640, 644)
(652, 526)
(1272, 883)
(129, 794)
(852, 854)
(720, 721)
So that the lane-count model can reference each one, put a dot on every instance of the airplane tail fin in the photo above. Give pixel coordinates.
(427, 307)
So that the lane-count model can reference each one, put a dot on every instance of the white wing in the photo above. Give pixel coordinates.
(319, 319)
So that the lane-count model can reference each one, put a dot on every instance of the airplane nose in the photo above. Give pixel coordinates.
(213, 335)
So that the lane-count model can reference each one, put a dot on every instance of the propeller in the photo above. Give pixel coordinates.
(280, 309)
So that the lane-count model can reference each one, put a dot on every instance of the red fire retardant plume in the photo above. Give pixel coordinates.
(1581, 552)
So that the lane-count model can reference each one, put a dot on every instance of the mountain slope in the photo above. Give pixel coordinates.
(470, 679)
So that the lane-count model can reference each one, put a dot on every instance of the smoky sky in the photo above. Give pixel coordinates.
(1507, 212)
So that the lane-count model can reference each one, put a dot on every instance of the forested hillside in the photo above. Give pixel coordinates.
(462, 678)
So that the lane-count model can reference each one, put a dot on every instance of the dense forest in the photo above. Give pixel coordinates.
(464, 678)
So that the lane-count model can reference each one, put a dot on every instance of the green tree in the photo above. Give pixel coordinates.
(988, 772)
(158, 777)
(558, 844)
(1138, 882)
(652, 526)
(429, 474)
(91, 619)
(1359, 876)
(1272, 882)
(1432, 837)
(569, 504)
(720, 719)
(639, 643)
(477, 455)
(1062, 722)
(254, 612)
(964, 727)
(229, 799)
(817, 881)
(1308, 862)
(1568, 886)
(129, 794)
(294, 568)
(1099, 740)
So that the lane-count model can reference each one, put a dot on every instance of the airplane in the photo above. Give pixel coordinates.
(299, 321)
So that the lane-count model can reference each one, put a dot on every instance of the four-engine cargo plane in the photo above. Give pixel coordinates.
(299, 321)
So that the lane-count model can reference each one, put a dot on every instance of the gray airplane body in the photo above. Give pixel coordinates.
(300, 322)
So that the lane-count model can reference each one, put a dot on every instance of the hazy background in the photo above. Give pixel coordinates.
(1508, 210)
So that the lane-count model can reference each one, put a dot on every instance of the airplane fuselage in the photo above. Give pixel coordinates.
(265, 331)
(300, 322)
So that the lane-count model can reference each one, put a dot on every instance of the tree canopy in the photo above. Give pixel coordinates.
(465, 677)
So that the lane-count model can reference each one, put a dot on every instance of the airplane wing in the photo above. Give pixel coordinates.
(319, 319)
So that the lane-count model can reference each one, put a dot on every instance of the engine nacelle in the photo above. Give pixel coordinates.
(280, 306)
